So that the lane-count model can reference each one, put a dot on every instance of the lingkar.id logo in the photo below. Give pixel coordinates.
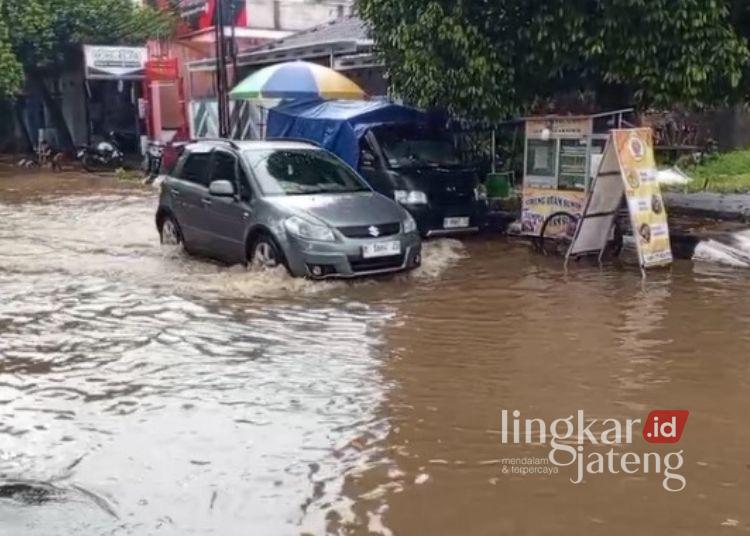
(570, 439)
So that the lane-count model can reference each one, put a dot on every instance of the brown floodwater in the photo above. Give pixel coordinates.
(146, 392)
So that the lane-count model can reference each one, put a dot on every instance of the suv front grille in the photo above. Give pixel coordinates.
(378, 263)
(365, 231)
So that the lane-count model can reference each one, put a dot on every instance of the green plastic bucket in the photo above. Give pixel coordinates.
(498, 185)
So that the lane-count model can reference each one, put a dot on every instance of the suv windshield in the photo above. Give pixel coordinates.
(301, 172)
(408, 146)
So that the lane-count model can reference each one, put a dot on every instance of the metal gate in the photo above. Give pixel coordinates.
(245, 117)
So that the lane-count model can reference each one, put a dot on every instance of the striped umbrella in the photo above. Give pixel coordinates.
(297, 80)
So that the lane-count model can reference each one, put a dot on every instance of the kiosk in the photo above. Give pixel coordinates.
(561, 156)
(579, 172)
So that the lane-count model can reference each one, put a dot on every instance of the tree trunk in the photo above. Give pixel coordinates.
(27, 146)
(56, 116)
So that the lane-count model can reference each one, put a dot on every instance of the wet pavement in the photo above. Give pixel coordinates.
(143, 391)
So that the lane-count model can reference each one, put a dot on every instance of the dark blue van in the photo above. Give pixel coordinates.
(399, 151)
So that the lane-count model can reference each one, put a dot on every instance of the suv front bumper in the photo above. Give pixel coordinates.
(344, 259)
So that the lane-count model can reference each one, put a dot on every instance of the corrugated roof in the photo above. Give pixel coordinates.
(350, 28)
(343, 36)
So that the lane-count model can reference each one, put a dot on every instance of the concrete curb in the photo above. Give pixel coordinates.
(724, 206)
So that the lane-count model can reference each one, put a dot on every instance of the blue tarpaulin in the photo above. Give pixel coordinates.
(337, 125)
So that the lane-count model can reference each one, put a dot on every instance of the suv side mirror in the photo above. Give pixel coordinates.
(221, 188)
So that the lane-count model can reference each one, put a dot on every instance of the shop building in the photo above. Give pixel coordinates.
(176, 103)
(96, 93)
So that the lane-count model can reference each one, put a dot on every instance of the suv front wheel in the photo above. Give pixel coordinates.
(170, 232)
(265, 254)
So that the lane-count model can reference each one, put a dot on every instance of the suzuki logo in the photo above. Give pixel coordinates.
(374, 231)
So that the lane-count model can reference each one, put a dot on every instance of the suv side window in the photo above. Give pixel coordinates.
(195, 168)
(245, 191)
(224, 168)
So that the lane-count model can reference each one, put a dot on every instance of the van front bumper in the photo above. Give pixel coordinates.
(431, 218)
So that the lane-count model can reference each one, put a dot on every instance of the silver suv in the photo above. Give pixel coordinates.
(283, 202)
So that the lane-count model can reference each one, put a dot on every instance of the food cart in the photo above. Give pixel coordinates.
(584, 175)
(561, 157)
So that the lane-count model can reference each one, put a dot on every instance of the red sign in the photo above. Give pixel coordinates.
(201, 14)
(161, 69)
(665, 425)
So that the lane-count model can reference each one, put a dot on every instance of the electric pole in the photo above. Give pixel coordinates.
(221, 72)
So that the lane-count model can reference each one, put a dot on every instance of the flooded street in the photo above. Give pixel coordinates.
(143, 391)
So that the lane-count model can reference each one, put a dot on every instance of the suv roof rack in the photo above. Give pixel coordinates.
(229, 142)
(298, 140)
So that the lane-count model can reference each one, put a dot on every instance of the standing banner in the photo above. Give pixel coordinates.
(648, 216)
(627, 168)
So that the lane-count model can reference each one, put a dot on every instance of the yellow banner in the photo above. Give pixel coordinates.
(635, 152)
(540, 203)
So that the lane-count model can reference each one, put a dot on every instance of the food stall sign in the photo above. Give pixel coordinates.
(558, 128)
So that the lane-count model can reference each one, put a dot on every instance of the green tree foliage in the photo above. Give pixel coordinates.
(43, 31)
(38, 37)
(485, 58)
(10, 68)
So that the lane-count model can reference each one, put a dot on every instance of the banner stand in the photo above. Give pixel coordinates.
(627, 170)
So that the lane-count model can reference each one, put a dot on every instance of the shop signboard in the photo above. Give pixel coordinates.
(114, 63)
(161, 69)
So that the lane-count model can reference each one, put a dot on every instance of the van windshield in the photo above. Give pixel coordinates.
(301, 172)
(411, 146)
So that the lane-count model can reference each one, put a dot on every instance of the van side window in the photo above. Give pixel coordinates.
(366, 155)
(195, 168)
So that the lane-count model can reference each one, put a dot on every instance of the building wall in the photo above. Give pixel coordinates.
(294, 15)
(280, 15)
(73, 94)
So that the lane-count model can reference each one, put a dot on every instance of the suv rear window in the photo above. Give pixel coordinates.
(195, 168)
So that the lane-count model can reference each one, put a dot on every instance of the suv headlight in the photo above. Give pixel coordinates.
(306, 229)
(410, 225)
(410, 197)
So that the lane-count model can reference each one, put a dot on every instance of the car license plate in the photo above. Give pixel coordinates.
(381, 249)
(455, 223)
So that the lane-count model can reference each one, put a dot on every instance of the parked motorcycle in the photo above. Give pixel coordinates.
(105, 155)
(152, 160)
(160, 157)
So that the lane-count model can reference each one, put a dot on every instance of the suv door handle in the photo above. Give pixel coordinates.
(175, 191)
(206, 201)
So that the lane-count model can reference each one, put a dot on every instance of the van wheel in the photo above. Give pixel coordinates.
(170, 232)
